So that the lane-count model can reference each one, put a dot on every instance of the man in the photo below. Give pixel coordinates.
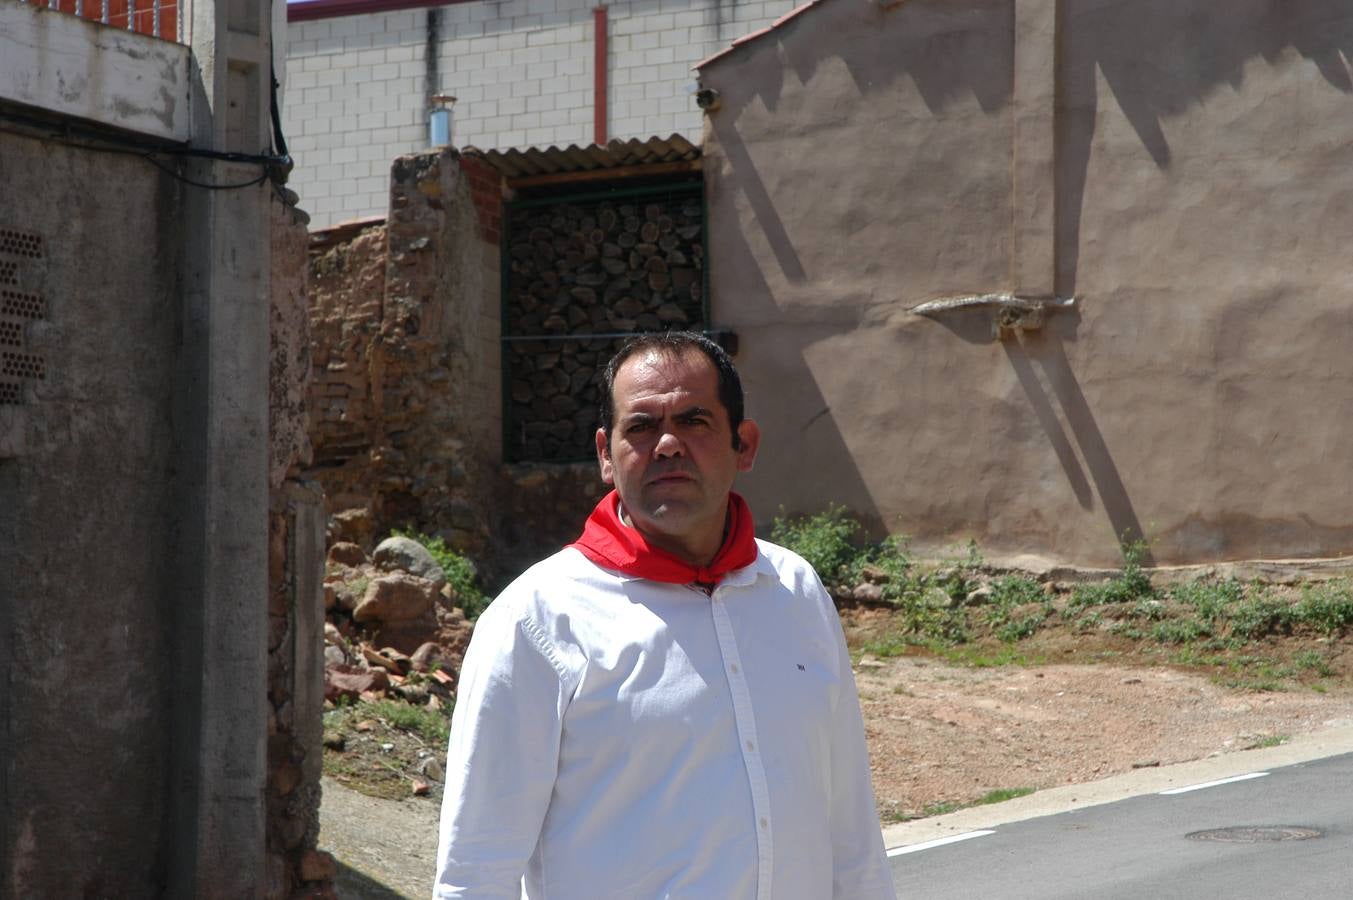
(664, 709)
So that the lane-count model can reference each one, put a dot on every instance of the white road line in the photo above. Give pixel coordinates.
(938, 842)
(1208, 784)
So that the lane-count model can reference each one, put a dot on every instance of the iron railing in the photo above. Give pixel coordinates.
(157, 18)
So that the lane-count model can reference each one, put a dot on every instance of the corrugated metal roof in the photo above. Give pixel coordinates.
(614, 155)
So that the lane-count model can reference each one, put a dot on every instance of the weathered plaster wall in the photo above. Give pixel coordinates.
(1179, 169)
(86, 529)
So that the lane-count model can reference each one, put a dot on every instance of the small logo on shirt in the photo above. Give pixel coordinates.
(801, 667)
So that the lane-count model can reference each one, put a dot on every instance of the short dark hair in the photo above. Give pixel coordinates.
(675, 343)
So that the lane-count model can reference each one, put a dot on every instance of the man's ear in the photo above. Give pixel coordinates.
(749, 439)
(604, 458)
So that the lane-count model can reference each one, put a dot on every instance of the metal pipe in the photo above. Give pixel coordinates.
(600, 75)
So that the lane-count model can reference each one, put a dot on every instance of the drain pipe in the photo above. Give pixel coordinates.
(600, 75)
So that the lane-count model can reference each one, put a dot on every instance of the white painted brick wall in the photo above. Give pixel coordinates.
(522, 70)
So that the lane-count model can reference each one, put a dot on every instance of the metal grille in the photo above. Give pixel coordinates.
(581, 274)
(20, 243)
(22, 365)
(20, 305)
(18, 308)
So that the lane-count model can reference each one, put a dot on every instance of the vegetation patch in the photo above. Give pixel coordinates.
(1255, 636)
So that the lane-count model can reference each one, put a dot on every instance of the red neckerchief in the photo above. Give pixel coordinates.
(612, 544)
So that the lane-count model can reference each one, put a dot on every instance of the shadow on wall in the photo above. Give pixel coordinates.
(1043, 351)
(1161, 57)
(937, 47)
(778, 378)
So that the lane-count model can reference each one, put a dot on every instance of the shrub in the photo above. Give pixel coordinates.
(826, 541)
(1131, 584)
(1260, 615)
(1212, 599)
(460, 573)
(1326, 607)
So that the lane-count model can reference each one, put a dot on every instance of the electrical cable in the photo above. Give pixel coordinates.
(276, 166)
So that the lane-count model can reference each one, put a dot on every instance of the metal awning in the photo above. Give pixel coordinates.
(614, 160)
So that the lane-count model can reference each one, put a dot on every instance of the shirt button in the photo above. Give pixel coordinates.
(764, 823)
(750, 746)
(734, 668)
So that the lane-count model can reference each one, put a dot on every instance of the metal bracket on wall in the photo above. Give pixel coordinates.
(1011, 313)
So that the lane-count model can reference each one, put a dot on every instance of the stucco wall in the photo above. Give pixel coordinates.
(86, 529)
(1181, 170)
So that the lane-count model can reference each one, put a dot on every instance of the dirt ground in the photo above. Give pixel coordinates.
(940, 734)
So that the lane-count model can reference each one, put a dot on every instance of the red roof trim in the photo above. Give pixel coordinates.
(309, 10)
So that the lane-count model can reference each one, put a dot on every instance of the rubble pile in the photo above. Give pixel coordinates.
(392, 628)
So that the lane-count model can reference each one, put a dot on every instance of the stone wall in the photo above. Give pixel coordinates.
(405, 416)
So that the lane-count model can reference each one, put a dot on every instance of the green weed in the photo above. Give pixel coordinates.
(1212, 599)
(826, 540)
(1327, 607)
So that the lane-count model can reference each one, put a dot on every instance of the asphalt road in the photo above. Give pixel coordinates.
(1140, 848)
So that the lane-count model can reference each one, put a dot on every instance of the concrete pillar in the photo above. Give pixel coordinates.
(221, 602)
(1034, 256)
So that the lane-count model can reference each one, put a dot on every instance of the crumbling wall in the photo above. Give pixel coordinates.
(295, 594)
(405, 419)
(405, 412)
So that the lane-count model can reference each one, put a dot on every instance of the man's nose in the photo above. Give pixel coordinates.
(669, 445)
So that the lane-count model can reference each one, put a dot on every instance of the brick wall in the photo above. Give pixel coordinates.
(356, 86)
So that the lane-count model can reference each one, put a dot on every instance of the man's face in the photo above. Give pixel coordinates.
(671, 455)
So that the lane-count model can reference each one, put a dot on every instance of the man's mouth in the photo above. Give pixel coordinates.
(671, 478)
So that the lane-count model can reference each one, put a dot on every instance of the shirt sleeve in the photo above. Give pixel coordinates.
(502, 758)
(859, 864)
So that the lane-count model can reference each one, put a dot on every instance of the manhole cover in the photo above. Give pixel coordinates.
(1256, 834)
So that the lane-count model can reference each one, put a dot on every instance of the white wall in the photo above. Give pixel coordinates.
(522, 70)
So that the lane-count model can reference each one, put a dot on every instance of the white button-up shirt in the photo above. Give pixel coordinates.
(621, 739)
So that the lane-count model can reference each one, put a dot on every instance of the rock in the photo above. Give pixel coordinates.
(407, 635)
(431, 769)
(416, 694)
(869, 662)
(333, 636)
(335, 655)
(335, 741)
(420, 788)
(379, 660)
(875, 574)
(316, 865)
(867, 593)
(979, 596)
(330, 597)
(347, 554)
(938, 598)
(351, 526)
(408, 555)
(351, 681)
(396, 597)
(426, 656)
